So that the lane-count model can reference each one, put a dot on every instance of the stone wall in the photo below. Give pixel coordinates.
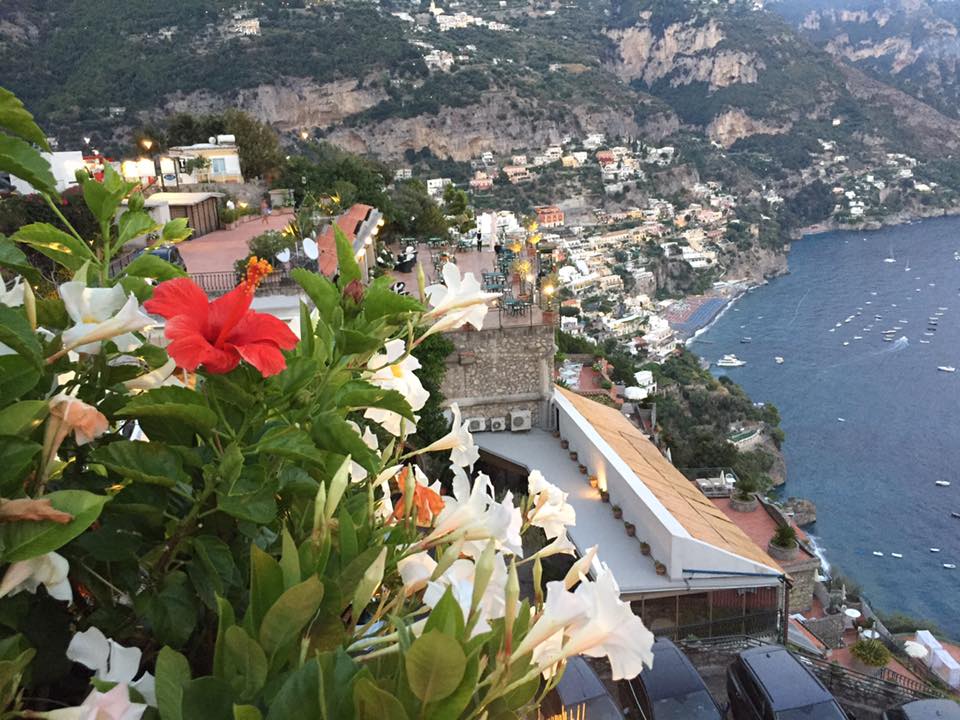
(494, 371)
(801, 594)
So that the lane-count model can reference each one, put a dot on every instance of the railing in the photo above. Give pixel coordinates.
(220, 283)
(763, 626)
(893, 686)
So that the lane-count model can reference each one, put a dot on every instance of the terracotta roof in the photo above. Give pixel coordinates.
(700, 517)
(349, 222)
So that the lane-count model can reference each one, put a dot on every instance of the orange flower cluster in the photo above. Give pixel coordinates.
(257, 270)
(427, 503)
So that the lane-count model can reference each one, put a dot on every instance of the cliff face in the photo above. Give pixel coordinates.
(499, 123)
(733, 125)
(289, 104)
(684, 52)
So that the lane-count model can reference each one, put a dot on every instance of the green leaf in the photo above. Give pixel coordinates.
(207, 698)
(331, 432)
(23, 418)
(55, 244)
(446, 616)
(372, 703)
(246, 712)
(289, 615)
(52, 313)
(357, 394)
(24, 540)
(102, 202)
(291, 443)
(133, 224)
(16, 332)
(171, 405)
(266, 586)
(251, 497)
(453, 705)
(381, 302)
(321, 291)
(212, 570)
(21, 159)
(149, 265)
(245, 665)
(17, 376)
(289, 561)
(142, 462)
(175, 231)
(172, 676)
(13, 259)
(16, 459)
(225, 620)
(435, 665)
(15, 118)
(171, 612)
(299, 696)
(346, 262)
(352, 342)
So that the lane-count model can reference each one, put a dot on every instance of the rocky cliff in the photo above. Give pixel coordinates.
(500, 122)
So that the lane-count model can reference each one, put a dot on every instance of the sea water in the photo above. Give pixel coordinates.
(870, 425)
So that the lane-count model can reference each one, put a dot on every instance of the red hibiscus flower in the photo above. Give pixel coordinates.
(219, 334)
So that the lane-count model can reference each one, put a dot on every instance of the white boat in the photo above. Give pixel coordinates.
(890, 258)
(934, 550)
(778, 360)
(925, 342)
(877, 553)
(942, 483)
(730, 361)
(841, 419)
(946, 368)
(950, 566)
(928, 334)
(846, 342)
(896, 555)
(858, 337)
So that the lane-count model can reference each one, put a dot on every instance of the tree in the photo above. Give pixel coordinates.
(415, 212)
(258, 144)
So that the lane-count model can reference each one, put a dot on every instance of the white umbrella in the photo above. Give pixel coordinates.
(915, 649)
(852, 613)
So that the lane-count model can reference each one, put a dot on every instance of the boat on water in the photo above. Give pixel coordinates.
(942, 483)
(955, 515)
(896, 555)
(778, 360)
(841, 419)
(730, 361)
(888, 338)
(950, 566)
(746, 340)
(928, 334)
(858, 337)
(946, 368)
(925, 342)
(934, 550)
(877, 553)
(846, 342)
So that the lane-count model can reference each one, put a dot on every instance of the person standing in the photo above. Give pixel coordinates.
(265, 211)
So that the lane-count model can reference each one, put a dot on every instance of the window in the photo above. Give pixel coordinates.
(218, 166)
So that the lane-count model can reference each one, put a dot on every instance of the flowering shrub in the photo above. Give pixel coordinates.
(237, 525)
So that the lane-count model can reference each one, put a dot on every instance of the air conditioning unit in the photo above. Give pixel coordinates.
(477, 424)
(520, 420)
(498, 424)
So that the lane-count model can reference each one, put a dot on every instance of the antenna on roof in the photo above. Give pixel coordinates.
(284, 255)
(311, 249)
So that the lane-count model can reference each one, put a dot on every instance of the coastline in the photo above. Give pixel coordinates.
(901, 218)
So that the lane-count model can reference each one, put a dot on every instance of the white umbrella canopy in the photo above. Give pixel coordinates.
(915, 649)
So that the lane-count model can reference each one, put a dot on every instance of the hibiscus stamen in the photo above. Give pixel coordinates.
(257, 270)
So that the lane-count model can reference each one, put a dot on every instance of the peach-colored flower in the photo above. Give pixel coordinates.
(69, 415)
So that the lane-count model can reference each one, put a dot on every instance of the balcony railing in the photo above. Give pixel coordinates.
(220, 283)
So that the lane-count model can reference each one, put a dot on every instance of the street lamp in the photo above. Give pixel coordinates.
(146, 144)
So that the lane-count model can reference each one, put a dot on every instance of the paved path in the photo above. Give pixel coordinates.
(219, 250)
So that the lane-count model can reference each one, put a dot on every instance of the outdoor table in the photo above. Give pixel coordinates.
(869, 634)
(849, 615)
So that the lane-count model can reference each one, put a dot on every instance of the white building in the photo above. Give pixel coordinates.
(436, 186)
(63, 165)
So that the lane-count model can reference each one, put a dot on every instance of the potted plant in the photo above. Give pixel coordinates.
(593, 481)
(617, 512)
(783, 544)
(583, 469)
(660, 567)
(744, 495)
(565, 444)
(631, 529)
(573, 455)
(869, 656)
(605, 496)
(645, 548)
(556, 434)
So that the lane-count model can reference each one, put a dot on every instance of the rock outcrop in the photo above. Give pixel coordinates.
(288, 104)
(498, 123)
(684, 53)
(803, 511)
(732, 125)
